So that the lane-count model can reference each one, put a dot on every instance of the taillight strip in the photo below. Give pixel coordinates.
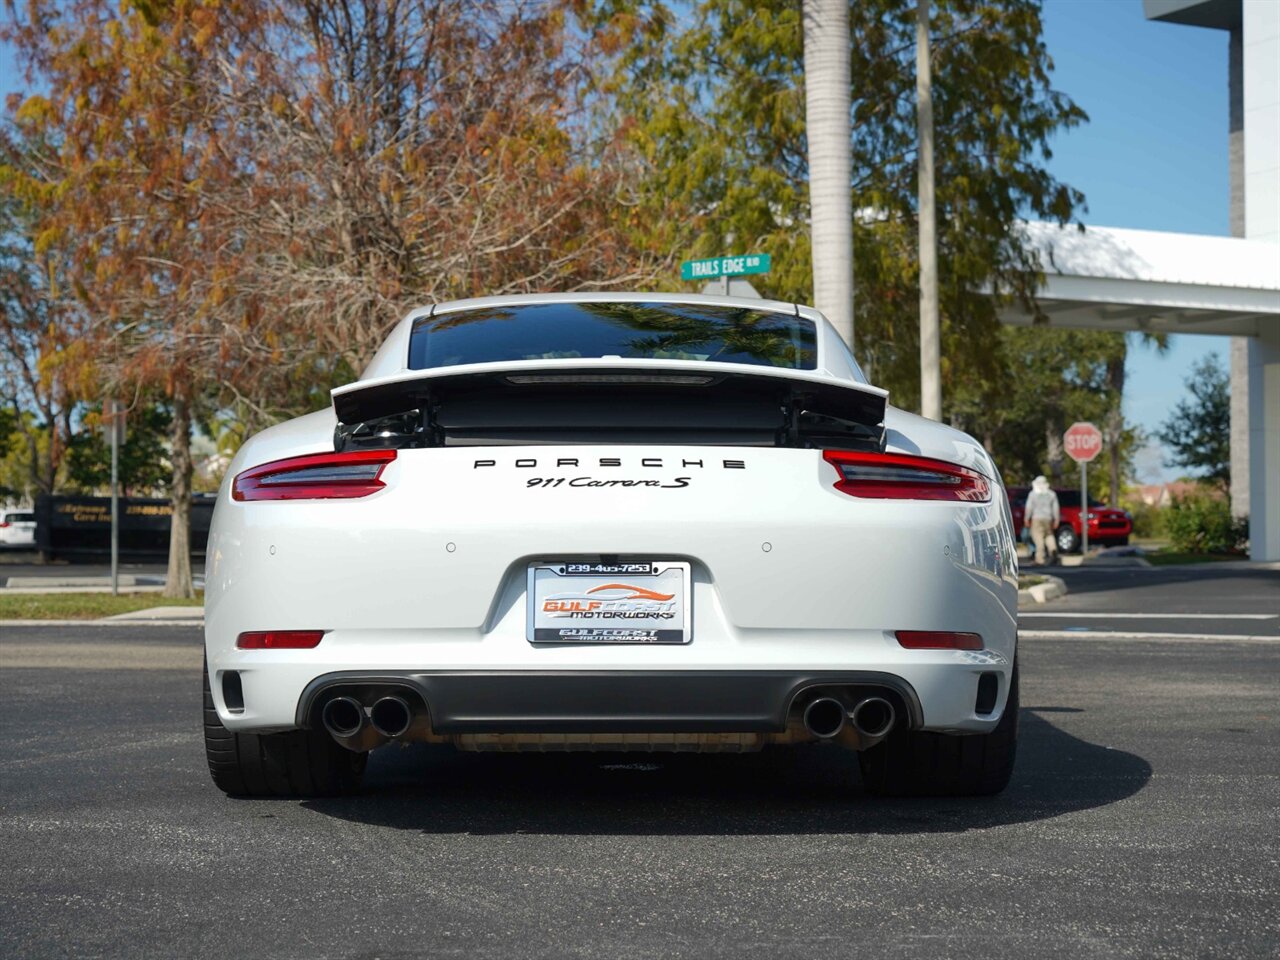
(900, 476)
(317, 476)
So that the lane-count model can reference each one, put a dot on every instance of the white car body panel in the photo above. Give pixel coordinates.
(789, 574)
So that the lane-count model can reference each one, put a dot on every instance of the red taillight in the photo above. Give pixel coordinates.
(897, 476)
(317, 476)
(938, 640)
(3, 524)
(279, 640)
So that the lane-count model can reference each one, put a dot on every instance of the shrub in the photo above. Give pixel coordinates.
(1148, 520)
(1202, 523)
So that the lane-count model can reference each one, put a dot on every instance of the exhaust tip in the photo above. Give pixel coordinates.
(391, 716)
(343, 716)
(873, 717)
(824, 717)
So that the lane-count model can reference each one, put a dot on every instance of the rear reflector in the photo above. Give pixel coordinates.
(280, 640)
(317, 476)
(938, 640)
(897, 476)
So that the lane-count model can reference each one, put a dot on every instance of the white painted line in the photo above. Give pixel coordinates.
(1100, 615)
(1163, 637)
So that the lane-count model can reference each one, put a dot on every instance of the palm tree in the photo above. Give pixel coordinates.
(1113, 432)
(827, 126)
(930, 326)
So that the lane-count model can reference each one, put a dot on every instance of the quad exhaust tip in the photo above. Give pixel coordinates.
(825, 717)
(873, 717)
(343, 717)
(391, 716)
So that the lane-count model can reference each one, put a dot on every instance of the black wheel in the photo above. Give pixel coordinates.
(920, 764)
(299, 763)
(1068, 541)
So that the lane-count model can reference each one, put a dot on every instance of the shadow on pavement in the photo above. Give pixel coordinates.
(1094, 579)
(805, 790)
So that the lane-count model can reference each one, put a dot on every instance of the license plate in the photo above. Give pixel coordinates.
(630, 602)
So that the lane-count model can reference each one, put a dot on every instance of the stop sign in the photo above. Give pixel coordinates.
(1083, 441)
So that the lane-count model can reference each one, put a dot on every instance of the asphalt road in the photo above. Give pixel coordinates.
(1142, 821)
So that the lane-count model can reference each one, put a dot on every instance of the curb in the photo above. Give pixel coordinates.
(1051, 589)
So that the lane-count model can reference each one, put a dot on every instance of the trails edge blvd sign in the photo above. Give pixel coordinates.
(718, 267)
(1082, 441)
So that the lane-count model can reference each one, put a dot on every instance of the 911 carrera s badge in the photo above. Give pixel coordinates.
(590, 603)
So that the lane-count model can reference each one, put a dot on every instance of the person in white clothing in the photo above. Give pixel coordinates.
(1043, 515)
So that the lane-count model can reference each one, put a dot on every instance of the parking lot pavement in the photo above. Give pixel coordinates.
(1200, 589)
(1141, 821)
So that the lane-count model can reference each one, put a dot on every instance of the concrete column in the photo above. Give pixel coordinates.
(1239, 359)
(1260, 56)
(1264, 445)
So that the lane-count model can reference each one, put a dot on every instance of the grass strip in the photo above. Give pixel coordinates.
(1173, 558)
(83, 606)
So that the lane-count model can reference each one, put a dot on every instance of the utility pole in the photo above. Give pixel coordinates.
(114, 417)
(930, 325)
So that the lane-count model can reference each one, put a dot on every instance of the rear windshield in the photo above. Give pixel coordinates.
(20, 517)
(658, 331)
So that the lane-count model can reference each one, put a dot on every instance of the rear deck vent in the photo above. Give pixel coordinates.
(988, 687)
(232, 691)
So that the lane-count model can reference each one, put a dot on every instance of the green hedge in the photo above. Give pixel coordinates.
(1202, 523)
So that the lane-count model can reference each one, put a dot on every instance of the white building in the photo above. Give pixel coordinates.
(1110, 279)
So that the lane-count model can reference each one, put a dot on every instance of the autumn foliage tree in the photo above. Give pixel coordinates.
(421, 151)
(242, 197)
(138, 143)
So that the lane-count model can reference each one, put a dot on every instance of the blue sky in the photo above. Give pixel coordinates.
(1153, 156)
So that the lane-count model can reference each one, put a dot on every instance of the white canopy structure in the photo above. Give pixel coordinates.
(1124, 280)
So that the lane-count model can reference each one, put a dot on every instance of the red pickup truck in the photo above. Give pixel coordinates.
(1108, 526)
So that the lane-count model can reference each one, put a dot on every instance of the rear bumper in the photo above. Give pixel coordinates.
(932, 689)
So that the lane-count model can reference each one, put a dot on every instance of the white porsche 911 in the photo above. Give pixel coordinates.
(611, 522)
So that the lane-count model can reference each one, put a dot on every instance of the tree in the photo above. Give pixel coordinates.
(828, 137)
(1116, 433)
(1198, 433)
(135, 146)
(39, 350)
(714, 111)
(143, 462)
(243, 197)
(1054, 377)
(417, 152)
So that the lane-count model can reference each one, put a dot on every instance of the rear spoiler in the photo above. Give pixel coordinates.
(594, 400)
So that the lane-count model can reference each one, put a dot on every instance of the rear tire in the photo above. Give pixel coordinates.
(299, 763)
(916, 763)
(1068, 539)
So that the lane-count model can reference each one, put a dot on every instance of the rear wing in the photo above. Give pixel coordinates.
(609, 401)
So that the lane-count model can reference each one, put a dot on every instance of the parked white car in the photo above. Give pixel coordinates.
(611, 522)
(17, 528)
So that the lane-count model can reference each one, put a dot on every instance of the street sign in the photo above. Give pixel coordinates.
(718, 267)
(1083, 442)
